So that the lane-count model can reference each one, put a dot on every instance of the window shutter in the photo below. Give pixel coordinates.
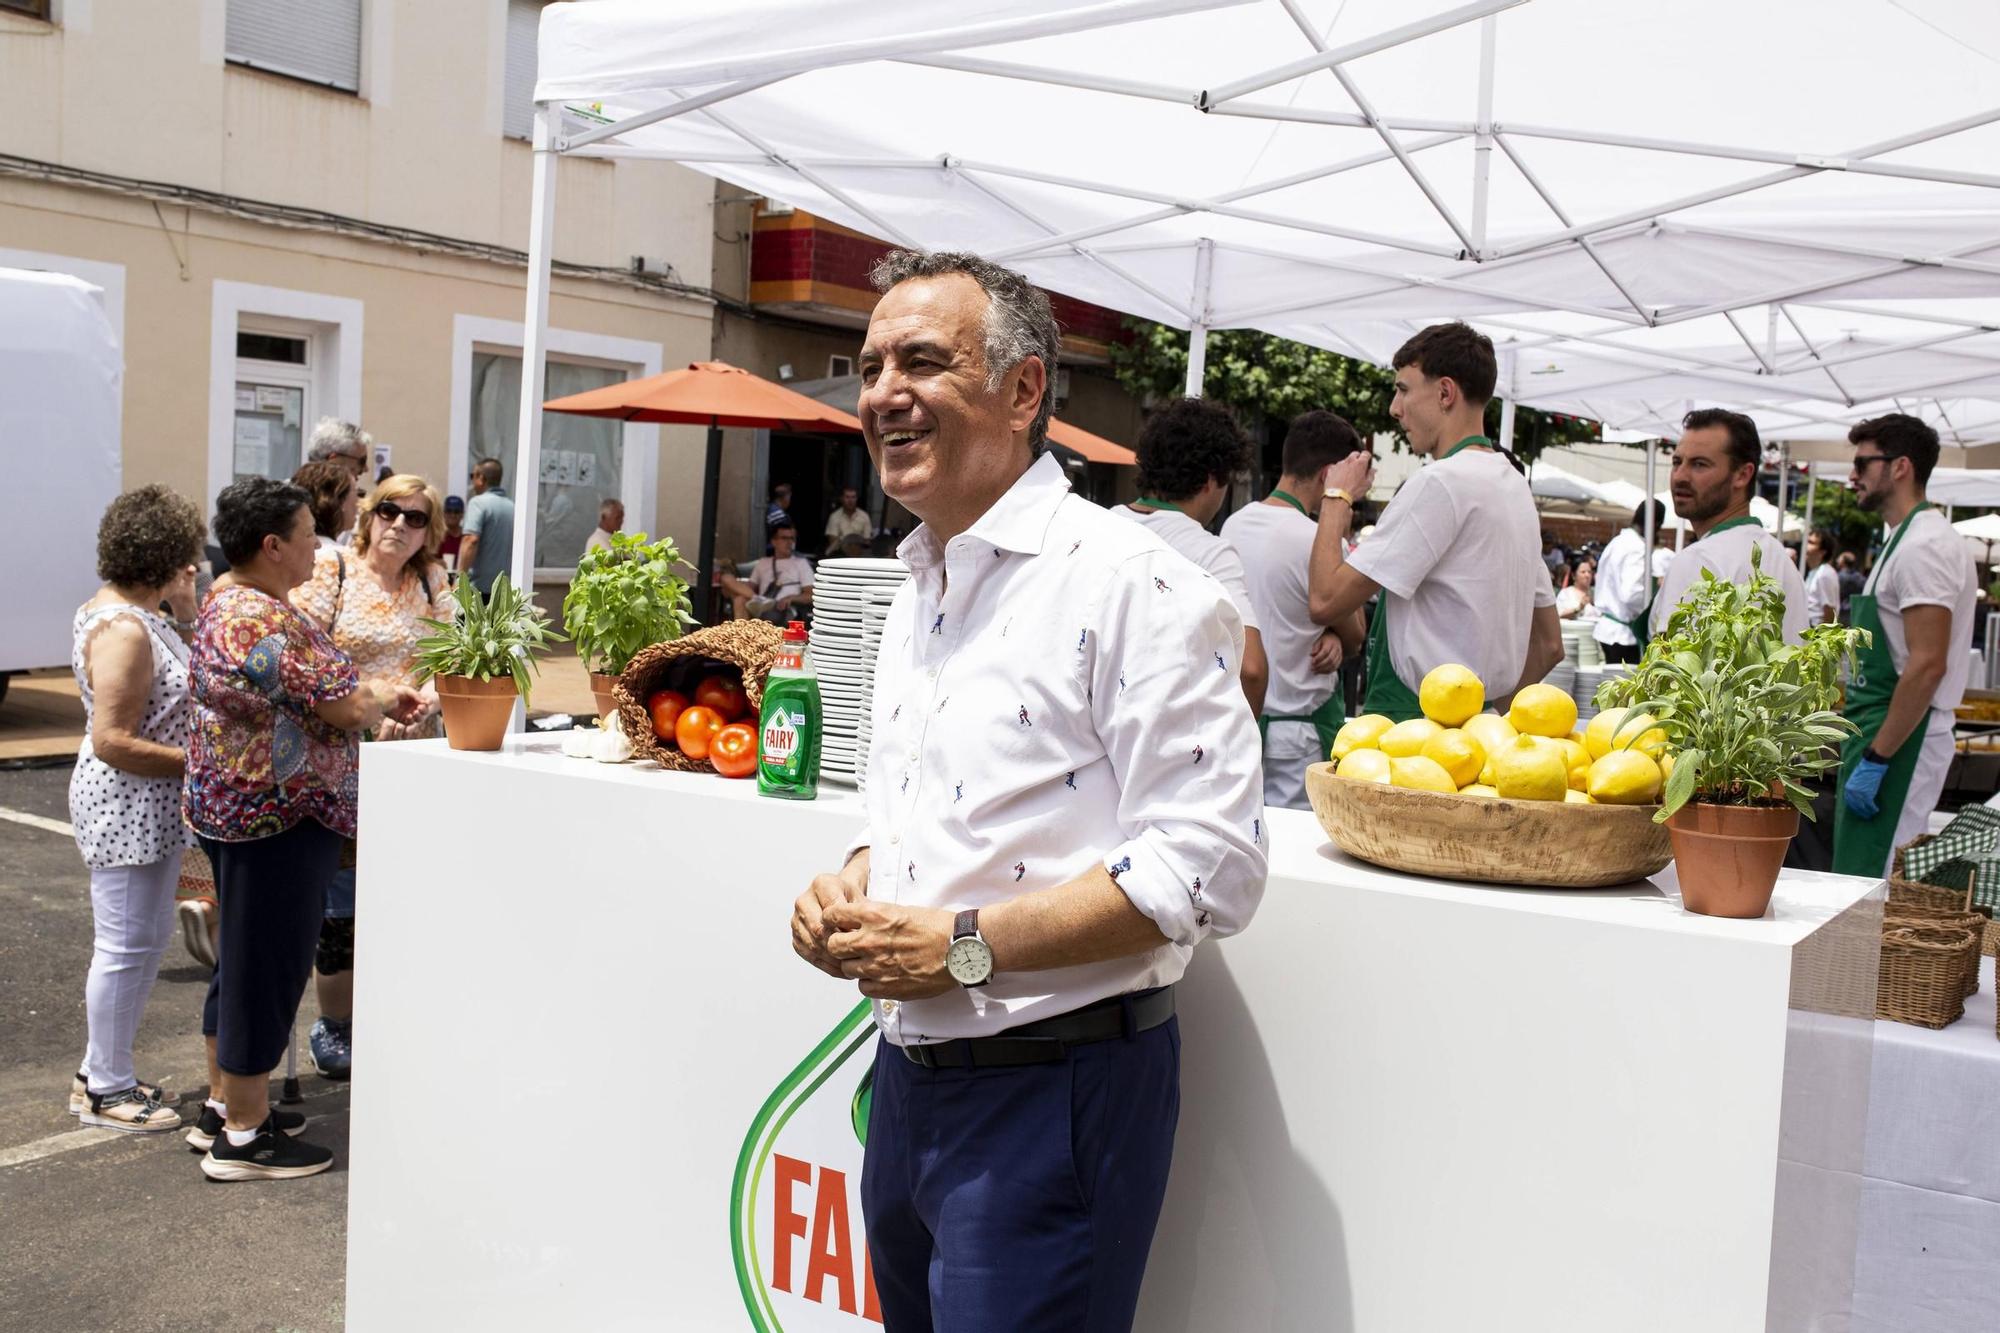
(524, 23)
(317, 40)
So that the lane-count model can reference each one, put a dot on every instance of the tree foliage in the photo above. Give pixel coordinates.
(1265, 377)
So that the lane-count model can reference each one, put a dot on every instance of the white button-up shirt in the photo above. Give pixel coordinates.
(1057, 690)
(1621, 591)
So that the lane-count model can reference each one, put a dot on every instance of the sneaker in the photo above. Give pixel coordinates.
(757, 606)
(331, 1045)
(129, 1112)
(79, 1092)
(269, 1156)
(208, 1127)
(194, 915)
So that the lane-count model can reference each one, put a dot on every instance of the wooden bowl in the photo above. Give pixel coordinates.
(1543, 843)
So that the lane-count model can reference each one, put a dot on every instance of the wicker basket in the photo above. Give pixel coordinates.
(748, 646)
(1910, 914)
(1923, 974)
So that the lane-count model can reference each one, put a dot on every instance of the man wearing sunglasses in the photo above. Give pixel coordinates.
(1918, 605)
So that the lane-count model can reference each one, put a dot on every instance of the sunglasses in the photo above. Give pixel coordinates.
(1863, 460)
(388, 512)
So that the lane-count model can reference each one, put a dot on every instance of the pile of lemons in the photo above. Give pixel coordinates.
(1534, 753)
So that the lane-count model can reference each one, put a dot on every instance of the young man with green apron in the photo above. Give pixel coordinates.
(1714, 476)
(1918, 605)
(1302, 707)
(1457, 557)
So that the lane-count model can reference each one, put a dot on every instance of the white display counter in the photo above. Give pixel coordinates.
(596, 1089)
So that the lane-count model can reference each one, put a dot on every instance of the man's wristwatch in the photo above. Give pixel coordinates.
(1335, 493)
(1873, 758)
(969, 959)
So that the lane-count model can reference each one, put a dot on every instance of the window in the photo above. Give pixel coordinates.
(34, 9)
(274, 401)
(315, 40)
(839, 367)
(524, 24)
(583, 458)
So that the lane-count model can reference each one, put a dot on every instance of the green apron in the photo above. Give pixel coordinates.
(1862, 846)
(1387, 692)
(1330, 716)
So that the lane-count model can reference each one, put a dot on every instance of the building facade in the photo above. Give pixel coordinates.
(318, 208)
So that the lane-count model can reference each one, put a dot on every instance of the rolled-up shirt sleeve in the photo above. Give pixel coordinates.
(1168, 707)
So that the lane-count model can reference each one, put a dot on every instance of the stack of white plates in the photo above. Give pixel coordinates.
(1587, 681)
(1563, 678)
(841, 594)
(873, 615)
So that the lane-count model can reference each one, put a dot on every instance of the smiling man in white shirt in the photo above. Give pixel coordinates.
(1062, 799)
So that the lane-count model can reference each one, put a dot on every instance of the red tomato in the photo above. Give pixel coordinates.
(666, 707)
(734, 750)
(725, 696)
(696, 729)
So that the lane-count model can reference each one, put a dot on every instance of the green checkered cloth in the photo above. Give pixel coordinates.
(1968, 850)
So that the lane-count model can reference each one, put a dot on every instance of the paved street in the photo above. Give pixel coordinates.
(106, 1230)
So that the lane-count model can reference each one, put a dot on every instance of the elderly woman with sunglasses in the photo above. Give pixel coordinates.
(373, 599)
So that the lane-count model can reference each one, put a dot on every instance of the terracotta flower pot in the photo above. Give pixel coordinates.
(1728, 856)
(601, 693)
(475, 711)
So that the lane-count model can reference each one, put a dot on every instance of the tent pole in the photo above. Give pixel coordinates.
(711, 480)
(1482, 143)
(534, 338)
(1784, 476)
(1506, 440)
(1812, 493)
(1204, 270)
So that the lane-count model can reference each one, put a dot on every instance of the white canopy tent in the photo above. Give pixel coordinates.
(1982, 534)
(1341, 171)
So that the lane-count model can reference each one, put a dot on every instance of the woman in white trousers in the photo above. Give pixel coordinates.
(131, 665)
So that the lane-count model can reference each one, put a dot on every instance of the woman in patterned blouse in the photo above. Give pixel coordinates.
(373, 601)
(271, 795)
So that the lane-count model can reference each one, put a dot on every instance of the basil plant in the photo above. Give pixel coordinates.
(626, 596)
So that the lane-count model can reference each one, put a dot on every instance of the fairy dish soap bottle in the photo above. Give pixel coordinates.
(789, 727)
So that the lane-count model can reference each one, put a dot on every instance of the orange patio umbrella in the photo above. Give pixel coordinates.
(1093, 447)
(713, 394)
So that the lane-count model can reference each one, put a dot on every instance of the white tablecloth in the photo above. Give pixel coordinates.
(1930, 1207)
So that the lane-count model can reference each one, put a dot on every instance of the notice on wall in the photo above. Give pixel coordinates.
(566, 467)
(551, 466)
(246, 399)
(271, 397)
(253, 446)
(586, 468)
(384, 456)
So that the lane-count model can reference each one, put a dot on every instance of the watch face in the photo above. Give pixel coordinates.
(969, 960)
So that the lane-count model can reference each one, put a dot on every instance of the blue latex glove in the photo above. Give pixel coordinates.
(1864, 784)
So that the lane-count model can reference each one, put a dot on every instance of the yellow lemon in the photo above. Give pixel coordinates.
(1625, 777)
(1543, 710)
(1406, 740)
(1576, 734)
(1421, 773)
(1575, 797)
(1364, 766)
(1457, 754)
(1362, 733)
(1610, 730)
(1450, 694)
(1529, 770)
(1494, 734)
(1478, 789)
(1666, 763)
(1577, 759)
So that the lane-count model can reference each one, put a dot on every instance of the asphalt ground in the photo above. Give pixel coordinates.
(104, 1230)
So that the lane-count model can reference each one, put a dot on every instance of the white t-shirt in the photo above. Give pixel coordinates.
(1728, 553)
(1822, 591)
(1204, 548)
(1929, 567)
(1459, 556)
(1275, 545)
(1621, 588)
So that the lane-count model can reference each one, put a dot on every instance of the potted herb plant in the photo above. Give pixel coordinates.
(1751, 719)
(482, 657)
(626, 596)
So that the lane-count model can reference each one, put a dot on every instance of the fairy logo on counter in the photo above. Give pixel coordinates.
(795, 1208)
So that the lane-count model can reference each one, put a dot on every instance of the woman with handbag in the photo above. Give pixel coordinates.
(373, 601)
(270, 792)
(131, 666)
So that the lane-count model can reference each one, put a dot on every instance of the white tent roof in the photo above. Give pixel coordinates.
(1546, 481)
(1701, 201)
(1966, 487)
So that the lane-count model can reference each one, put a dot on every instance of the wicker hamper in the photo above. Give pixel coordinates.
(1911, 914)
(749, 646)
(1923, 974)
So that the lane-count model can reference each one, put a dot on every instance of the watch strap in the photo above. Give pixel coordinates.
(1336, 493)
(1874, 758)
(966, 924)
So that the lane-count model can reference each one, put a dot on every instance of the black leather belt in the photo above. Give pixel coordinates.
(1050, 1039)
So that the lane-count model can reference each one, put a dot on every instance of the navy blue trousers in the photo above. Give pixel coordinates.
(271, 893)
(1006, 1200)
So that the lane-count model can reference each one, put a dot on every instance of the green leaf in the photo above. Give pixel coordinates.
(1680, 785)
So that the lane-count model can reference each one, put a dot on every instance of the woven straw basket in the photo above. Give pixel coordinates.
(1923, 973)
(749, 646)
(1914, 892)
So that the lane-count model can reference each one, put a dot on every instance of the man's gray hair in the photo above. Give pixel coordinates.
(1019, 323)
(332, 436)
